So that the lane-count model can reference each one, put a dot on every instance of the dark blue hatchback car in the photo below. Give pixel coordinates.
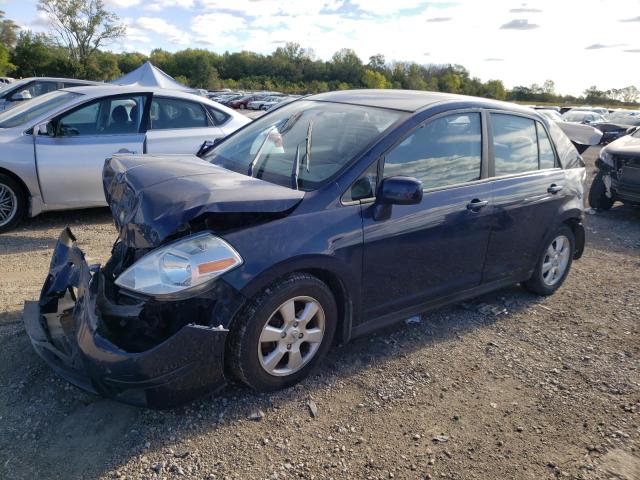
(325, 219)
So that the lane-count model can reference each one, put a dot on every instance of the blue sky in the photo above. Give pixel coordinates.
(576, 43)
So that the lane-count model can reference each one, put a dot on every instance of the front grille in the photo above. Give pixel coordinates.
(628, 167)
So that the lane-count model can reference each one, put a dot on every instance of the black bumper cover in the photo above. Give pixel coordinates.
(63, 328)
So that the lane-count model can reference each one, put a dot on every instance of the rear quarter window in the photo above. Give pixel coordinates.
(567, 153)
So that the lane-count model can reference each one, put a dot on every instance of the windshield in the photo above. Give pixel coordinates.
(303, 144)
(581, 116)
(32, 109)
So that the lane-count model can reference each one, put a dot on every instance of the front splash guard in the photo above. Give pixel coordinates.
(63, 328)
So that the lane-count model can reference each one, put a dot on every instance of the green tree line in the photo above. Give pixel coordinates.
(290, 68)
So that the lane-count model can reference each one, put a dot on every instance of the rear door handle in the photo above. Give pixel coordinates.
(125, 150)
(476, 205)
(554, 188)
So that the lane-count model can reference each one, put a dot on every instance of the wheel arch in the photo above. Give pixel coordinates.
(327, 269)
(19, 180)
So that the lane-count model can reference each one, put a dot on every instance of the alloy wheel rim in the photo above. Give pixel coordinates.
(291, 336)
(556, 260)
(8, 204)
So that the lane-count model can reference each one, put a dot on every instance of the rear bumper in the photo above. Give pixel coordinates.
(65, 329)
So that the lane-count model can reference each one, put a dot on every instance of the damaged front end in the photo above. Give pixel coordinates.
(129, 347)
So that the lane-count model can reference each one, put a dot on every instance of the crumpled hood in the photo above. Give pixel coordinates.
(152, 196)
(627, 145)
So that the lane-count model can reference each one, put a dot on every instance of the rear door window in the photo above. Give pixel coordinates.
(171, 113)
(515, 144)
(445, 151)
(547, 155)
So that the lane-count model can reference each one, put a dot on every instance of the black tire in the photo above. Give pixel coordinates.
(598, 194)
(537, 284)
(242, 357)
(18, 196)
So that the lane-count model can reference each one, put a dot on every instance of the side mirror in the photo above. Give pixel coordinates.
(396, 191)
(45, 129)
(21, 96)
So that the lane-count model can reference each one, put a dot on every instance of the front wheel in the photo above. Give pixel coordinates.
(554, 263)
(598, 194)
(13, 203)
(282, 333)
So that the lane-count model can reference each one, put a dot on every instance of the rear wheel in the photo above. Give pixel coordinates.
(554, 263)
(282, 333)
(13, 203)
(598, 194)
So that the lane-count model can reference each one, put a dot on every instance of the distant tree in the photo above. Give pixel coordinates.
(127, 62)
(495, 89)
(549, 87)
(347, 66)
(82, 26)
(37, 55)
(8, 32)
(6, 67)
(377, 62)
(373, 79)
(630, 94)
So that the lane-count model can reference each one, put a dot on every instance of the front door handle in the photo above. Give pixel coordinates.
(476, 205)
(553, 188)
(125, 150)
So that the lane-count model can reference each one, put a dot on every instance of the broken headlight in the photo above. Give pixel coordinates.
(180, 267)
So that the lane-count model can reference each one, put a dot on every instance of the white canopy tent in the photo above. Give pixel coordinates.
(147, 75)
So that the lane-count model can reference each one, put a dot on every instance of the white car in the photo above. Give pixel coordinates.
(54, 147)
(17, 91)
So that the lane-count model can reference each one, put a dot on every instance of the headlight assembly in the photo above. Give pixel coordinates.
(606, 157)
(180, 267)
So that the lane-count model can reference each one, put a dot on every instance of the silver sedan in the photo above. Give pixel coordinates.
(54, 146)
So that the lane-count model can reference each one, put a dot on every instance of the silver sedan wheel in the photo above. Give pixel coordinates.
(292, 336)
(8, 204)
(556, 259)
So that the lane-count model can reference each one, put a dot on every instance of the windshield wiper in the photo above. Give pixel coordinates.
(255, 160)
(308, 154)
(295, 169)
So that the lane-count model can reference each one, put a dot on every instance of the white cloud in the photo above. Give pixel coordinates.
(122, 3)
(161, 27)
(163, 4)
(218, 29)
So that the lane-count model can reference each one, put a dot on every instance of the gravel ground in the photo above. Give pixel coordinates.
(508, 386)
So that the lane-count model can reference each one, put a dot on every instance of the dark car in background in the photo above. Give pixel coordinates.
(618, 176)
(28, 88)
(325, 219)
(616, 125)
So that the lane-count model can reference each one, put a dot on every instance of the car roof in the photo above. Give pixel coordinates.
(410, 100)
(60, 79)
(109, 89)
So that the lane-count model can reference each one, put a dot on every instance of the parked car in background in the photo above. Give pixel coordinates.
(5, 80)
(618, 124)
(586, 117)
(54, 147)
(28, 88)
(329, 217)
(242, 102)
(618, 176)
(258, 104)
(582, 135)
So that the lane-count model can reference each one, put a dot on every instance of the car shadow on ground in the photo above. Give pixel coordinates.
(96, 429)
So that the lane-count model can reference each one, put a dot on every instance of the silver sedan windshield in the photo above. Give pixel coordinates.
(32, 109)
